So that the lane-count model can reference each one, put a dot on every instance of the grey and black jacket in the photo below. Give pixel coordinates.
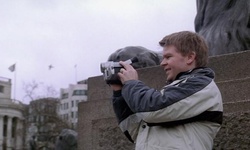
(185, 114)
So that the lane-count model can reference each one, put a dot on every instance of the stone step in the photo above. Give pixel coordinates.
(239, 106)
(235, 90)
(231, 66)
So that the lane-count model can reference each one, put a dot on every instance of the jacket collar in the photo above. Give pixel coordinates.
(201, 71)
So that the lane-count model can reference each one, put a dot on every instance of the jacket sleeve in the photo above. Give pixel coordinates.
(127, 120)
(188, 99)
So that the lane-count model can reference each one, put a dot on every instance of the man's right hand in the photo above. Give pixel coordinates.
(127, 73)
(116, 87)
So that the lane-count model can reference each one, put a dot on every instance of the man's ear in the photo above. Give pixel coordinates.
(191, 57)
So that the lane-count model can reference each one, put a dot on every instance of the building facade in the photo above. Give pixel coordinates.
(12, 121)
(69, 98)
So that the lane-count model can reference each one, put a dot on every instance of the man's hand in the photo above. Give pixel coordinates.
(127, 73)
(116, 87)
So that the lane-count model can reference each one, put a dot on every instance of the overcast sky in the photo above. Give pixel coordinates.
(83, 33)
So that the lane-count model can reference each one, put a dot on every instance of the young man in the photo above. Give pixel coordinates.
(186, 114)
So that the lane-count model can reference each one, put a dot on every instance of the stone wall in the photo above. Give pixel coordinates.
(98, 128)
(233, 79)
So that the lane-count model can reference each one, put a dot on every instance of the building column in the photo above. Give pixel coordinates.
(1, 131)
(19, 135)
(9, 132)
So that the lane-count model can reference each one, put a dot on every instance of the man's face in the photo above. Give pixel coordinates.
(174, 62)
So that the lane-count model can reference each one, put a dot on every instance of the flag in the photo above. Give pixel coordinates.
(12, 68)
(50, 67)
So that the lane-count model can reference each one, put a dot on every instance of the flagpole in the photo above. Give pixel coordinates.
(12, 68)
(76, 73)
(15, 82)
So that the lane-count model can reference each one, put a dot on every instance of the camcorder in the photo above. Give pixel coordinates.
(111, 68)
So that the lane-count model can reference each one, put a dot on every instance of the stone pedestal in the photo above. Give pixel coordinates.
(98, 128)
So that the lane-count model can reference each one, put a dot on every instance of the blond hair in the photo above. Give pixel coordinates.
(187, 42)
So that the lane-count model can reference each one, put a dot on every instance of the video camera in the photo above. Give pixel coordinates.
(110, 70)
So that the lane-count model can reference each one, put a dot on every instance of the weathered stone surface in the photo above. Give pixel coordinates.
(235, 90)
(103, 128)
(88, 113)
(230, 66)
(234, 133)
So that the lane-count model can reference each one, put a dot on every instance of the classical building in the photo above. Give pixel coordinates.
(11, 119)
(69, 99)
